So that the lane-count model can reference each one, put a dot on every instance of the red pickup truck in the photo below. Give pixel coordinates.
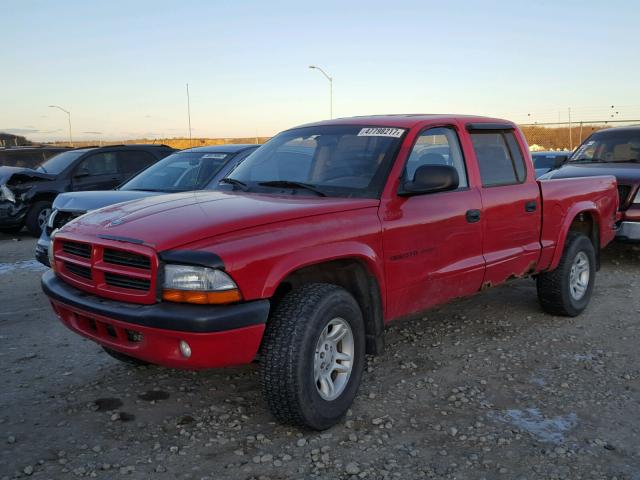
(318, 240)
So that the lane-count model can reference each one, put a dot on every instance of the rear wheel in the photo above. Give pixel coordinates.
(313, 356)
(567, 289)
(125, 358)
(38, 217)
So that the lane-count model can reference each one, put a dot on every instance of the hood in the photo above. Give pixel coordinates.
(169, 221)
(86, 201)
(21, 175)
(625, 173)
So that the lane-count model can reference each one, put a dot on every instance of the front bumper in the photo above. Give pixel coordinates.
(628, 231)
(12, 215)
(42, 252)
(219, 336)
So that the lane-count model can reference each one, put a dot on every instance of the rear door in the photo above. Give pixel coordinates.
(98, 171)
(433, 242)
(510, 204)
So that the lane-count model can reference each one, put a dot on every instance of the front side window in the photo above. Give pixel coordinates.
(179, 172)
(621, 146)
(499, 158)
(331, 160)
(437, 146)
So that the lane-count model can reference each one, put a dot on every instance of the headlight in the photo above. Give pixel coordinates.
(52, 217)
(183, 283)
(7, 194)
(52, 262)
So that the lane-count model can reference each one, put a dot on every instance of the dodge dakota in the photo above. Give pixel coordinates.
(318, 240)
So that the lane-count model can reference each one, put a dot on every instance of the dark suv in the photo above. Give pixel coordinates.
(27, 157)
(26, 194)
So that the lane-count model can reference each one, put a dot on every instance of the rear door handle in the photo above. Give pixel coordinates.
(531, 206)
(473, 216)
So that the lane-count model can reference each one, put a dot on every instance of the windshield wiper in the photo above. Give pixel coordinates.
(236, 183)
(292, 184)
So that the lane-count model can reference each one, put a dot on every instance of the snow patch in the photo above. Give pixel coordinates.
(532, 421)
(30, 265)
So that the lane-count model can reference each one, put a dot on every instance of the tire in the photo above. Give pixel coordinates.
(557, 292)
(125, 358)
(11, 230)
(37, 217)
(292, 349)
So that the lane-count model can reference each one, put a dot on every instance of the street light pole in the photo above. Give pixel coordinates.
(68, 118)
(330, 88)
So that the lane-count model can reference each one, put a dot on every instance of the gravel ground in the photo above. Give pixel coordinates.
(486, 387)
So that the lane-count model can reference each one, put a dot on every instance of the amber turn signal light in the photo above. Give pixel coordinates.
(202, 298)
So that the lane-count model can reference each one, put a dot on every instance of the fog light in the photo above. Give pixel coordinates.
(185, 349)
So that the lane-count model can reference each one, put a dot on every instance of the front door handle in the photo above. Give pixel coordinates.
(473, 216)
(531, 206)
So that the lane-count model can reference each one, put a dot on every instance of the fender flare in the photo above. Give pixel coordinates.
(576, 209)
(288, 264)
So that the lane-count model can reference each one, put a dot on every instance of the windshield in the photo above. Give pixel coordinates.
(608, 146)
(58, 163)
(330, 160)
(179, 172)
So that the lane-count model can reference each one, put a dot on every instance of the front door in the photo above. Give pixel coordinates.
(433, 242)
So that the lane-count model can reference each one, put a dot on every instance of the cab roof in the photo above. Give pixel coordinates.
(407, 120)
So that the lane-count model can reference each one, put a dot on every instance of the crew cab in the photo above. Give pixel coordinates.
(318, 240)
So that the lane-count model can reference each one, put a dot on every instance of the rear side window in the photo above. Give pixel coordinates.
(499, 158)
(134, 161)
(103, 163)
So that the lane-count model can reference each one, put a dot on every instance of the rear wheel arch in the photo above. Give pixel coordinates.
(585, 221)
(355, 277)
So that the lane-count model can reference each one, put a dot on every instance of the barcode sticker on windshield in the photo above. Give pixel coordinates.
(381, 132)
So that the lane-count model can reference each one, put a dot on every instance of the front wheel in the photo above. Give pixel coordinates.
(313, 356)
(38, 217)
(567, 289)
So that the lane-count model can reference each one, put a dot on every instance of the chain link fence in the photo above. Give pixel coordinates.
(565, 135)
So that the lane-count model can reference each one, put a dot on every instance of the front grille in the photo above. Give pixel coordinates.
(128, 259)
(123, 281)
(623, 194)
(108, 269)
(61, 219)
(79, 270)
(78, 249)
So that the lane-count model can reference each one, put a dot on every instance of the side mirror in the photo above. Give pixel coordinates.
(431, 179)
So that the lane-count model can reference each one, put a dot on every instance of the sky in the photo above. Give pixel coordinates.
(121, 68)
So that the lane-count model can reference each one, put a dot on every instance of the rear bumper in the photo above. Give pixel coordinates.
(628, 231)
(218, 336)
